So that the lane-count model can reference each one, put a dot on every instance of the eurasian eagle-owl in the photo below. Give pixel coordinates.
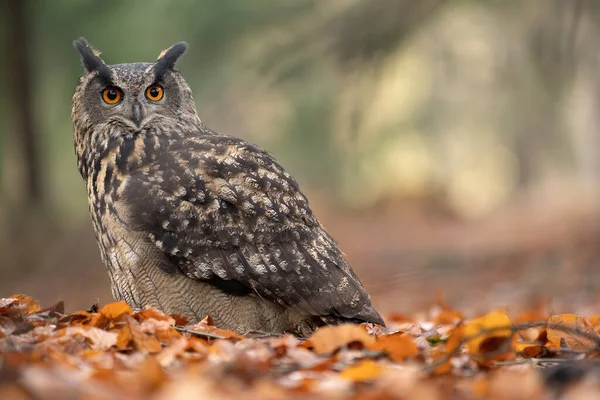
(198, 223)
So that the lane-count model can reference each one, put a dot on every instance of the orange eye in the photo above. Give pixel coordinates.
(155, 93)
(112, 95)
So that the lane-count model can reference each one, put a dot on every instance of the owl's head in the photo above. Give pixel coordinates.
(128, 99)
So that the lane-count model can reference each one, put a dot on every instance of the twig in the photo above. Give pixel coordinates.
(533, 361)
(202, 334)
(595, 338)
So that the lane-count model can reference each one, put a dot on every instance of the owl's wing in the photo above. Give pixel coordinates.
(222, 209)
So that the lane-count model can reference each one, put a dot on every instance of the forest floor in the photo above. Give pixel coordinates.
(503, 307)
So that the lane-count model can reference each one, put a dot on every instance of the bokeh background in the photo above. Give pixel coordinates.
(450, 146)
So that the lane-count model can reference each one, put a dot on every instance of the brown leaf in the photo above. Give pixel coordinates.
(114, 310)
(150, 375)
(28, 304)
(477, 329)
(329, 338)
(447, 316)
(7, 304)
(399, 346)
(180, 320)
(168, 355)
(455, 337)
(76, 318)
(151, 312)
(531, 350)
(144, 341)
(124, 338)
(163, 330)
(197, 346)
(99, 339)
(7, 326)
(573, 341)
(13, 392)
(206, 326)
(99, 320)
(366, 370)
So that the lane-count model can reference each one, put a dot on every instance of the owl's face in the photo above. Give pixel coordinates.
(133, 97)
(112, 101)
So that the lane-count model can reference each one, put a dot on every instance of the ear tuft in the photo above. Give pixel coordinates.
(167, 58)
(90, 57)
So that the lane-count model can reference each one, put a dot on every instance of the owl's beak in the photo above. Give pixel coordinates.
(137, 115)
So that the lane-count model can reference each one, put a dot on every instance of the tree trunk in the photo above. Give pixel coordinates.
(22, 125)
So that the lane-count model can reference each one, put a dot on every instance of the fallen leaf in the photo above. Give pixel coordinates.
(365, 370)
(144, 341)
(7, 304)
(180, 320)
(7, 326)
(530, 350)
(99, 339)
(329, 338)
(116, 309)
(153, 313)
(28, 303)
(124, 338)
(572, 339)
(477, 328)
(399, 346)
(206, 326)
(447, 316)
(450, 348)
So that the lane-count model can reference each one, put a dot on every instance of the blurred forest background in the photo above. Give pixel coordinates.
(448, 145)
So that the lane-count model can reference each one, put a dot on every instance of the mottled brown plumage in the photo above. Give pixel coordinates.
(199, 223)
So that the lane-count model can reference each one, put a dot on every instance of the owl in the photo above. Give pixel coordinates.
(198, 223)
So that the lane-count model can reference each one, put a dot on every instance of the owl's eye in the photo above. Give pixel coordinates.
(112, 95)
(155, 93)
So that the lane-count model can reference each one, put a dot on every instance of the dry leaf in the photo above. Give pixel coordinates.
(115, 310)
(366, 370)
(28, 303)
(399, 346)
(7, 326)
(329, 338)
(450, 348)
(477, 328)
(144, 341)
(99, 339)
(153, 313)
(574, 341)
(447, 316)
(206, 326)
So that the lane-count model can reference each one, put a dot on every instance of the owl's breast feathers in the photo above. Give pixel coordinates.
(222, 210)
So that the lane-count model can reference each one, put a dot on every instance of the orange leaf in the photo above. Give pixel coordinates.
(124, 338)
(574, 341)
(144, 341)
(114, 310)
(528, 350)
(7, 326)
(329, 338)
(28, 303)
(151, 312)
(7, 304)
(150, 375)
(180, 320)
(477, 326)
(455, 337)
(366, 370)
(399, 346)
(595, 322)
(99, 321)
(206, 326)
(446, 317)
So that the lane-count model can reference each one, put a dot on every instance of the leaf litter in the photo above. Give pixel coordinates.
(112, 352)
